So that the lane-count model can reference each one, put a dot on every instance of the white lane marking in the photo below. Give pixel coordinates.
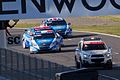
(86, 31)
(99, 33)
(109, 77)
(116, 53)
(114, 63)
(69, 39)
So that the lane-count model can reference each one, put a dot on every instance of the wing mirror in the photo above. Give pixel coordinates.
(31, 34)
(69, 23)
(25, 30)
(109, 49)
(77, 49)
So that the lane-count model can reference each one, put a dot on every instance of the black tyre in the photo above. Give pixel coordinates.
(59, 49)
(78, 64)
(108, 65)
(31, 52)
(23, 45)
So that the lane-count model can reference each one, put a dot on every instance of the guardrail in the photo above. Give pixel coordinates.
(17, 66)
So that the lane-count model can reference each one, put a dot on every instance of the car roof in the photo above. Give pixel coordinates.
(41, 28)
(55, 19)
(92, 40)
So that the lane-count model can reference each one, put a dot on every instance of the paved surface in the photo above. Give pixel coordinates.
(66, 57)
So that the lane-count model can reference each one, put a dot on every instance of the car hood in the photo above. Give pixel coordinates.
(92, 52)
(44, 41)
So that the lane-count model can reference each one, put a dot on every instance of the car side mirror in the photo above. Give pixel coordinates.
(69, 23)
(77, 49)
(25, 29)
(109, 49)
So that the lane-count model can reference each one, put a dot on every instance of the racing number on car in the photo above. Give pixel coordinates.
(14, 40)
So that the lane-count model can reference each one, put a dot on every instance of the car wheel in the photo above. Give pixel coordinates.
(108, 65)
(78, 64)
(32, 53)
(59, 49)
(23, 44)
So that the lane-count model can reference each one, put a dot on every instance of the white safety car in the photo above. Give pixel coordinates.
(93, 52)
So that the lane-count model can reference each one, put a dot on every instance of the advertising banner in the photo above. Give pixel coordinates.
(32, 9)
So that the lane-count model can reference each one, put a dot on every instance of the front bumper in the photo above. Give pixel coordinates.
(87, 64)
(99, 61)
(46, 49)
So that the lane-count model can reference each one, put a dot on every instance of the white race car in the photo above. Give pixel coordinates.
(93, 51)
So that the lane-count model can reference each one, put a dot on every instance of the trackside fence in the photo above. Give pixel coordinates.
(17, 66)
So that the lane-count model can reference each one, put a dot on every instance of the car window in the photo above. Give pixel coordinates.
(45, 36)
(94, 47)
(54, 23)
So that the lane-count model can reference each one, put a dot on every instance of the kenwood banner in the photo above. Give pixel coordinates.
(30, 9)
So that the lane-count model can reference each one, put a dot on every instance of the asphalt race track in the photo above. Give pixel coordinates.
(66, 56)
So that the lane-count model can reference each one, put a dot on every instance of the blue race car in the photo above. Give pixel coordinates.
(59, 25)
(28, 34)
(46, 40)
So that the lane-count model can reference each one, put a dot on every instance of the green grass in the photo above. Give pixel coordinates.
(112, 18)
(100, 28)
(26, 25)
(113, 29)
(109, 29)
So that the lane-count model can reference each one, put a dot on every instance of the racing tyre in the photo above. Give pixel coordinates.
(108, 65)
(59, 49)
(78, 64)
(23, 45)
(31, 52)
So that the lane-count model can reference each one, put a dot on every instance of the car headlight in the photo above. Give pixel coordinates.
(86, 56)
(108, 55)
(34, 44)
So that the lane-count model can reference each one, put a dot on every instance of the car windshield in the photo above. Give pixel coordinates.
(94, 47)
(54, 23)
(45, 36)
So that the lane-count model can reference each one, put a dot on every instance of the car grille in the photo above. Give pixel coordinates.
(97, 60)
(44, 48)
(97, 56)
(44, 45)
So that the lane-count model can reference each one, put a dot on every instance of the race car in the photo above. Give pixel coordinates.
(46, 40)
(92, 52)
(59, 25)
(30, 32)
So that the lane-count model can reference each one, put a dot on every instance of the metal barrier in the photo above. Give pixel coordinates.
(80, 74)
(17, 66)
